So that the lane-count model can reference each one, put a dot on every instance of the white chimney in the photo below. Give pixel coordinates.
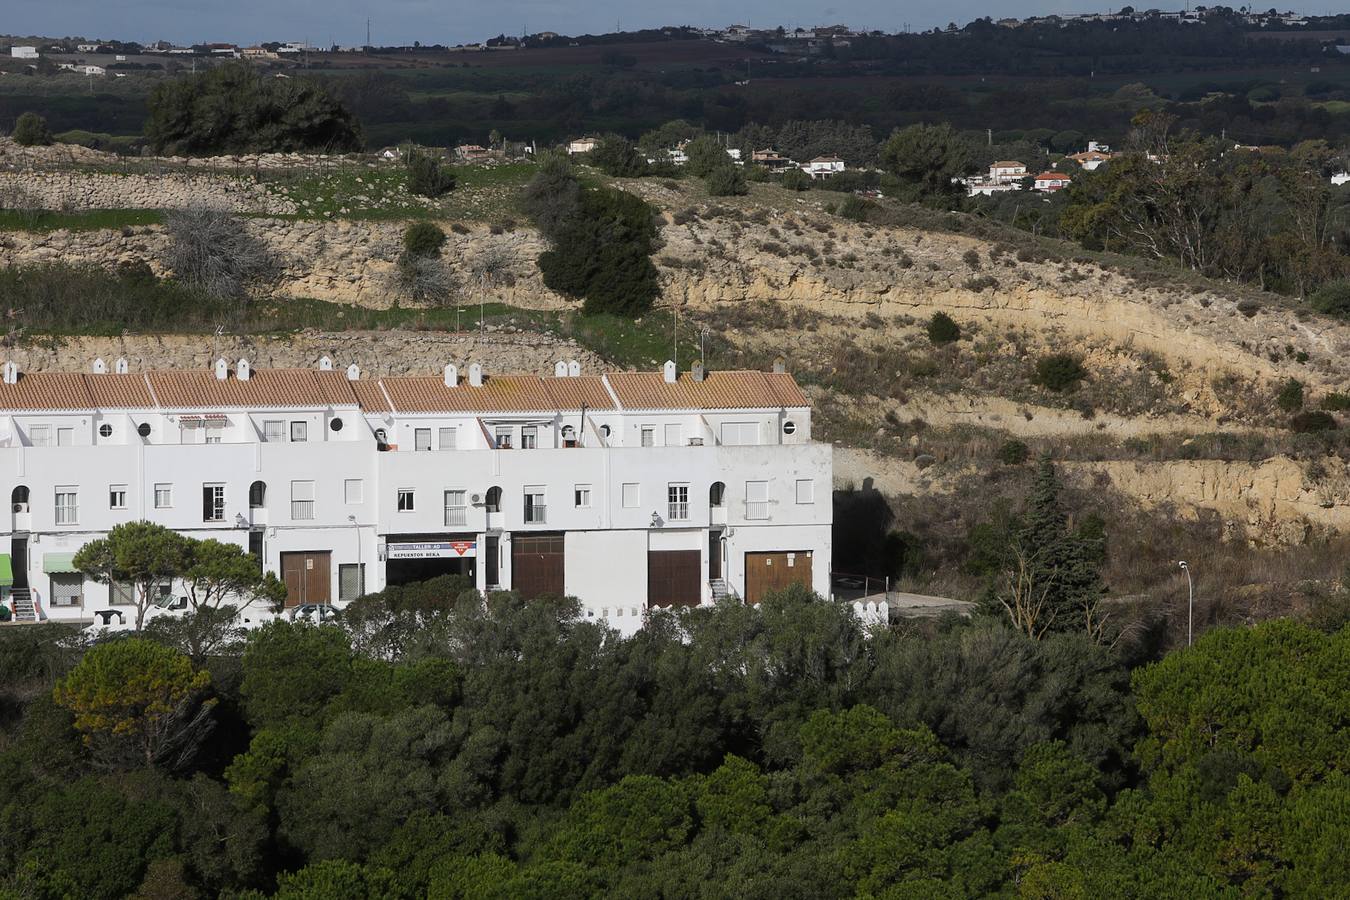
(573, 369)
(560, 369)
(243, 370)
(325, 364)
(451, 376)
(121, 367)
(779, 365)
(669, 370)
(353, 372)
(475, 375)
(222, 370)
(100, 367)
(11, 373)
(696, 370)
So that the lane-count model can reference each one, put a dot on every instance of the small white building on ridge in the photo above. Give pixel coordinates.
(628, 490)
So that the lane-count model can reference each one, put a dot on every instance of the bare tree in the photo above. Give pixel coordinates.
(210, 249)
(424, 279)
(1023, 595)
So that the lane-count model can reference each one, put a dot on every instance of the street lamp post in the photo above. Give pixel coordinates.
(1190, 602)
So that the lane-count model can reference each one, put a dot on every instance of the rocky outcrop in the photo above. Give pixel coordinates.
(376, 352)
(81, 191)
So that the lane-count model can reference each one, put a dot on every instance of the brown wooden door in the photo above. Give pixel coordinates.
(672, 577)
(308, 577)
(537, 565)
(765, 572)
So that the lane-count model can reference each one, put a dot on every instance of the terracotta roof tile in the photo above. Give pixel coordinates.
(47, 390)
(571, 393)
(719, 390)
(200, 389)
(119, 391)
(503, 393)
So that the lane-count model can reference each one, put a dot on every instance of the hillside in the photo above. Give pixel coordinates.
(1175, 432)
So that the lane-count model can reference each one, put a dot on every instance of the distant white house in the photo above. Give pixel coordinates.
(1050, 182)
(824, 167)
(583, 145)
(87, 48)
(92, 70)
(23, 52)
(771, 159)
(1340, 178)
(1005, 171)
(1090, 160)
(981, 187)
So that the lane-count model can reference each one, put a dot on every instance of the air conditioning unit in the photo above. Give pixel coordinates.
(475, 499)
(21, 507)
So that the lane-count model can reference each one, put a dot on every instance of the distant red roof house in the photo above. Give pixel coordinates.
(1052, 181)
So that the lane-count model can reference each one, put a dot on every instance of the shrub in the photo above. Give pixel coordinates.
(209, 249)
(705, 155)
(796, 180)
(971, 258)
(1332, 298)
(618, 157)
(1290, 395)
(854, 208)
(1249, 308)
(1336, 401)
(602, 252)
(980, 283)
(31, 130)
(423, 239)
(727, 181)
(426, 176)
(459, 228)
(1013, 452)
(424, 279)
(942, 329)
(1059, 372)
(1311, 421)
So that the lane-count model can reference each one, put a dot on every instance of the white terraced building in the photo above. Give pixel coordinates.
(627, 490)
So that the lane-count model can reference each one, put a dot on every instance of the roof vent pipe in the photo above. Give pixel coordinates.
(475, 375)
(222, 370)
(353, 372)
(11, 373)
(451, 376)
(669, 371)
(243, 370)
(573, 369)
(121, 367)
(696, 370)
(325, 364)
(560, 369)
(779, 365)
(100, 367)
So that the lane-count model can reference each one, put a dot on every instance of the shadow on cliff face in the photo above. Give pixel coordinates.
(865, 546)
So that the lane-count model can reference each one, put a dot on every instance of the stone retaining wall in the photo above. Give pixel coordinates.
(79, 191)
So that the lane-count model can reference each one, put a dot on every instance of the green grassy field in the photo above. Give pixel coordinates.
(46, 221)
(481, 194)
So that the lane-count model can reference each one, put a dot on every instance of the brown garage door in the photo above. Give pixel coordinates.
(537, 565)
(765, 572)
(307, 576)
(672, 577)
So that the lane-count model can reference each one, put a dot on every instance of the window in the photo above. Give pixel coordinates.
(648, 435)
(632, 495)
(40, 435)
(335, 424)
(274, 430)
(143, 429)
(421, 438)
(447, 438)
(299, 431)
(351, 580)
(302, 500)
(163, 496)
(529, 437)
(717, 495)
(117, 496)
(65, 437)
(406, 502)
(214, 429)
(456, 510)
(740, 434)
(105, 430)
(493, 502)
(535, 510)
(213, 503)
(67, 506)
(806, 490)
(503, 436)
(789, 427)
(353, 491)
(581, 496)
(257, 495)
(677, 502)
(756, 499)
(122, 594)
(673, 435)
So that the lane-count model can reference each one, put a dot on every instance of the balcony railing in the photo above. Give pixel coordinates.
(302, 509)
(678, 511)
(535, 514)
(756, 509)
(456, 515)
